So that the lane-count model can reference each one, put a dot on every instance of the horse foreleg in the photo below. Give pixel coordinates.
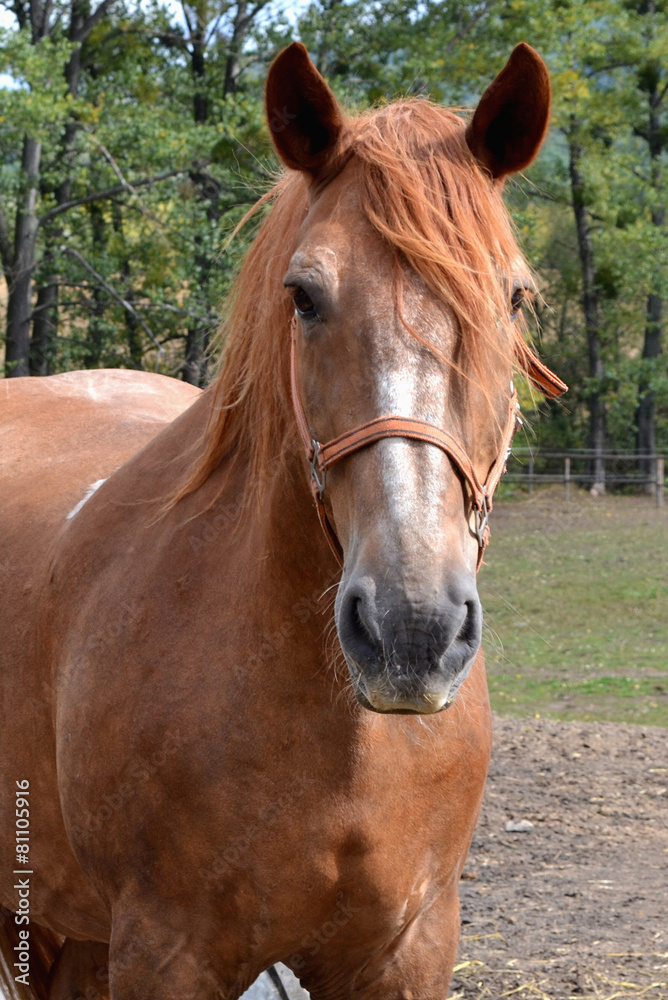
(80, 972)
(420, 962)
(416, 962)
(170, 959)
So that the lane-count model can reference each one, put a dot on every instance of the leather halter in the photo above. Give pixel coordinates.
(321, 456)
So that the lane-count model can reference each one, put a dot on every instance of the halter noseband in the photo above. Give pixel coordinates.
(321, 456)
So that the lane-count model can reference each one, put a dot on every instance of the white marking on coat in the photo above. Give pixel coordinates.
(87, 495)
(410, 473)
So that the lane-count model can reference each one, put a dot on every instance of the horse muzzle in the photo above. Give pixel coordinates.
(406, 654)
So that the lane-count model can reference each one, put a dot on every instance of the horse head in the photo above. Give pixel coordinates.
(405, 282)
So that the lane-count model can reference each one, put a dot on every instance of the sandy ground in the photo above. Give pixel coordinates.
(577, 905)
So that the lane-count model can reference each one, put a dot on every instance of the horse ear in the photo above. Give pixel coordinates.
(511, 120)
(304, 117)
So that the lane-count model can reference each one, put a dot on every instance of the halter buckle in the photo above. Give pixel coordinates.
(317, 472)
(481, 517)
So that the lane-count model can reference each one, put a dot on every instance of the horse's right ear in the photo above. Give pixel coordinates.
(304, 117)
(511, 120)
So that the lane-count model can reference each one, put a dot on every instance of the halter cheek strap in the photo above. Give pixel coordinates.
(321, 456)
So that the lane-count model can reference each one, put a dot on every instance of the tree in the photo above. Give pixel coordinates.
(229, 24)
(106, 93)
(136, 141)
(651, 71)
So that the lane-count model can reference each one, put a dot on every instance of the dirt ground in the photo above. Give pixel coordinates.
(577, 905)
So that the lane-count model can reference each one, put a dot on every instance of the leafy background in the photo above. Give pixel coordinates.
(132, 141)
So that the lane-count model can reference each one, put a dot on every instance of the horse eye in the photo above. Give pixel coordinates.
(516, 301)
(303, 303)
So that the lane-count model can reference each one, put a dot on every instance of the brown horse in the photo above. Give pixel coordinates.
(220, 765)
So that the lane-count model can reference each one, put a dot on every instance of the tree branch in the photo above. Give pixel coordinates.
(19, 10)
(186, 17)
(171, 38)
(126, 184)
(114, 294)
(88, 199)
(214, 28)
(39, 18)
(246, 21)
(468, 27)
(639, 174)
(94, 19)
(605, 68)
(178, 311)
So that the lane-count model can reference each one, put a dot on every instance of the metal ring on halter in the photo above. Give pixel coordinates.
(317, 472)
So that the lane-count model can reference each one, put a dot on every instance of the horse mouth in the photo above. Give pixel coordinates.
(385, 702)
(365, 703)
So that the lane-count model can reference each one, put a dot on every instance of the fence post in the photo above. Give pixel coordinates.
(530, 473)
(567, 477)
(659, 482)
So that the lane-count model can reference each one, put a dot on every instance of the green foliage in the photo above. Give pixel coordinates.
(167, 115)
(34, 105)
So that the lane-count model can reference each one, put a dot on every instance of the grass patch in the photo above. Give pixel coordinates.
(576, 602)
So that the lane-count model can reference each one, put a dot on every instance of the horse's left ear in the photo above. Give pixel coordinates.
(304, 117)
(511, 120)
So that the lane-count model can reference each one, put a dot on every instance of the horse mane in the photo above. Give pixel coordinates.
(425, 194)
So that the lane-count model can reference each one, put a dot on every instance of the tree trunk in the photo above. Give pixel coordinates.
(645, 422)
(95, 333)
(645, 416)
(597, 408)
(19, 305)
(131, 325)
(242, 22)
(45, 320)
(196, 364)
(195, 367)
(198, 66)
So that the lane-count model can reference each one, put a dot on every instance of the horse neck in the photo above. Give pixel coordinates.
(286, 520)
(275, 528)
(286, 571)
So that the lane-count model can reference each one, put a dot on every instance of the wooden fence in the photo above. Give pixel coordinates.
(534, 467)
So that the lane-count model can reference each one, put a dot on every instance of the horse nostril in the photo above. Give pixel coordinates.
(362, 626)
(471, 628)
(357, 624)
